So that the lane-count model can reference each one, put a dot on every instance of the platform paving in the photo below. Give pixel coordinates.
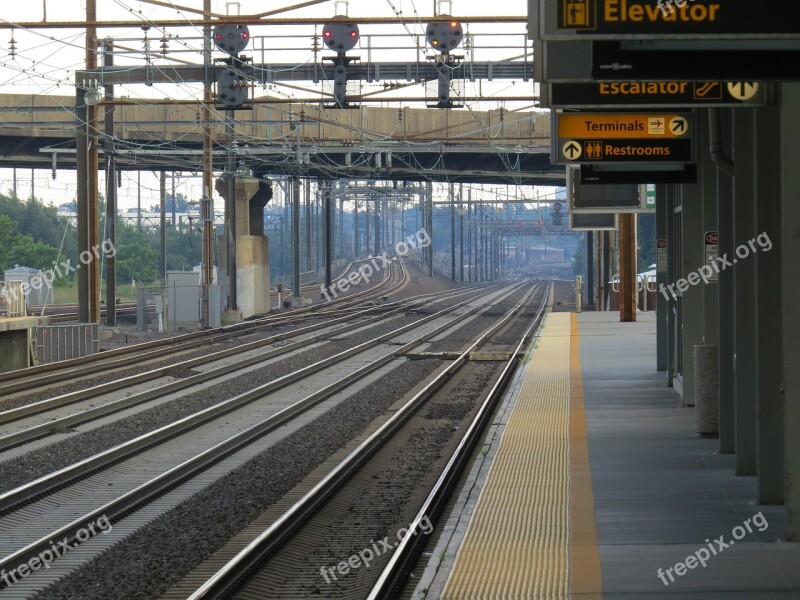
(660, 490)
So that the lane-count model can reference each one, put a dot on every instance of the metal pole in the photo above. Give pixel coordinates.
(461, 230)
(429, 225)
(341, 226)
(81, 166)
(207, 203)
(328, 200)
(366, 226)
(377, 217)
(307, 184)
(295, 188)
(469, 235)
(174, 218)
(452, 234)
(162, 248)
(139, 201)
(111, 191)
(230, 210)
(87, 168)
(356, 241)
(317, 217)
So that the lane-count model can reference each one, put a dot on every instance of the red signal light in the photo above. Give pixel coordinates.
(353, 34)
(245, 35)
(327, 34)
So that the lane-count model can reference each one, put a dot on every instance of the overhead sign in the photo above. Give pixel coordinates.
(593, 222)
(648, 173)
(613, 137)
(615, 61)
(656, 93)
(618, 198)
(710, 19)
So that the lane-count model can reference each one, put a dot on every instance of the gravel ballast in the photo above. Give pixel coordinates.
(160, 554)
(47, 459)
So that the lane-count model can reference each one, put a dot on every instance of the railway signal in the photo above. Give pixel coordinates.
(233, 83)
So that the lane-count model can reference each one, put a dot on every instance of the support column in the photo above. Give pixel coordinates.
(769, 327)
(744, 282)
(790, 240)
(692, 298)
(662, 299)
(673, 270)
(727, 313)
(589, 287)
(627, 268)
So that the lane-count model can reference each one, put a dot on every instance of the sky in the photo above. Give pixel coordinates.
(44, 60)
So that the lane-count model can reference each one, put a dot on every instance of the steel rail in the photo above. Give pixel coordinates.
(155, 348)
(229, 576)
(49, 427)
(173, 477)
(395, 573)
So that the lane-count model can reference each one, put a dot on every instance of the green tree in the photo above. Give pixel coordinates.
(136, 258)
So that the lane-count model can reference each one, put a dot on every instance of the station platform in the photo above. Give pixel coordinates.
(592, 483)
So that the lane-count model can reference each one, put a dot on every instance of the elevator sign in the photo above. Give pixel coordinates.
(613, 137)
(667, 18)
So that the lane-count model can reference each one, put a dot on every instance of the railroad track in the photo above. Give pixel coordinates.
(47, 374)
(307, 336)
(258, 571)
(209, 445)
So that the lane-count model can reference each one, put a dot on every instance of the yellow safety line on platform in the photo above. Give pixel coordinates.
(516, 545)
(585, 574)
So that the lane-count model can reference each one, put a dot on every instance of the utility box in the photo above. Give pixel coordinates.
(41, 290)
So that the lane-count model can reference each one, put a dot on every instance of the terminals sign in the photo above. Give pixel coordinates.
(616, 137)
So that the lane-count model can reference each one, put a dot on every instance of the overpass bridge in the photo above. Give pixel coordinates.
(279, 138)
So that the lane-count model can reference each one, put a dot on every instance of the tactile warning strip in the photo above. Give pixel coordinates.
(517, 542)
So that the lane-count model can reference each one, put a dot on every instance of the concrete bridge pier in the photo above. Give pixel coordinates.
(252, 250)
